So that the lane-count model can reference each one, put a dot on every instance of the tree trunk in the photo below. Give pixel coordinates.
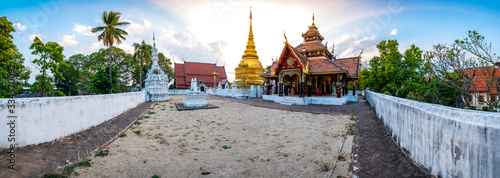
(110, 76)
(140, 77)
(42, 83)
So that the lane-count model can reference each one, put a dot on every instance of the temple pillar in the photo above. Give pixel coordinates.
(309, 87)
(280, 88)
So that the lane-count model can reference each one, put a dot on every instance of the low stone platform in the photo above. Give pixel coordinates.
(319, 100)
(181, 106)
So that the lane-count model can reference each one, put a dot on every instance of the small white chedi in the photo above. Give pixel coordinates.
(194, 98)
(156, 85)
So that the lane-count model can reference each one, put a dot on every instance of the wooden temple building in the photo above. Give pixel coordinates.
(203, 72)
(310, 68)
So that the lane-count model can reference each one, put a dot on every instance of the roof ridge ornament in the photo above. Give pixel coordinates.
(313, 25)
(286, 40)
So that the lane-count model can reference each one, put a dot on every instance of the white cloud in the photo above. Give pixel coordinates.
(68, 41)
(128, 48)
(32, 37)
(138, 30)
(20, 26)
(97, 20)
(95, 46)
(394, 32)
(82, 29)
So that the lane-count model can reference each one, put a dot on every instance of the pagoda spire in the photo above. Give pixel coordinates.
(313, 25)
(250, 49)
(154, 45)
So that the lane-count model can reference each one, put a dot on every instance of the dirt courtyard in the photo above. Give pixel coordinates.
(234, 140)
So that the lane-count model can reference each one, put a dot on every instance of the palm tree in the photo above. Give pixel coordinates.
(142, 52)
(111, 34)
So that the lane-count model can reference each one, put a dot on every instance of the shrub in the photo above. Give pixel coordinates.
(473, 107)
(387, 93)
(485, 108)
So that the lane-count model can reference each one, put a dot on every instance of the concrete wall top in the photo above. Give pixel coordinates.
(39, 120)
(450, 142)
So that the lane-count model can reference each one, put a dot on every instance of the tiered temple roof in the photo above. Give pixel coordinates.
(313, 52)
(186, 71)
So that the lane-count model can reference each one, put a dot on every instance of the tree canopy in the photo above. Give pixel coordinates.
(10, 57)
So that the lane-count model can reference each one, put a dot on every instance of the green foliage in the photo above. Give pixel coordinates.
(226, 147)
(473, 107)
(68, 170)
(166, 64)
(10, 57)
(486, 108)
(101, 154)
(50, 58)
(59, 93)
(36, 87)
(100, 81)
(393, 71)
(155, 176)
(387, 93)
(111, 34)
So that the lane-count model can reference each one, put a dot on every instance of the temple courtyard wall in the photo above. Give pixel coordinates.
(450, 142)
(45, 119)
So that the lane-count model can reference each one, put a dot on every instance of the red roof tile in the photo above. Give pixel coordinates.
(351, 64)
(481, 79)
(200, 71)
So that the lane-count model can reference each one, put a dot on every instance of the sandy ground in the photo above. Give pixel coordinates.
(259, 142)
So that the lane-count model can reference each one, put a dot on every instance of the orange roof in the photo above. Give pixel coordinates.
(481, 79)
(321, 64)
(351, 64)
(200, 71)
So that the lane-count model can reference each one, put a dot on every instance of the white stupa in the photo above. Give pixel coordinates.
(156, 85)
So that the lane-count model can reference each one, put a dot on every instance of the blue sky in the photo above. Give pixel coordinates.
(217, 30)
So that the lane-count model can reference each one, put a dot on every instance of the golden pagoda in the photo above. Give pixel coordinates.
(250, 64)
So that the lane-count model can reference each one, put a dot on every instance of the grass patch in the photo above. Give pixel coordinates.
(101, 154)
(146, 117)
(226, 147)
(155, 176)
(352, 129)
(151, 112)
(137, 123)
(138, 132)
(68, 170)
(122, 135)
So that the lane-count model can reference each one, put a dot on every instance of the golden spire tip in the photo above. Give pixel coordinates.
(250, 12)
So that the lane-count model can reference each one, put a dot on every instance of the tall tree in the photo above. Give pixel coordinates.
(488, 74)
(51, 58)
(10, 57)
(111, 33)
(142, 52)
(393, 72)
(451, 67)
(166, 64)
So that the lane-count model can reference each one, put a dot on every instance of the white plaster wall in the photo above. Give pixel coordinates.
(178, 91)
(45, 119)
(450, 142)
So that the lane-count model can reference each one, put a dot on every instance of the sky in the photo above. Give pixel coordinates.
(217, 30)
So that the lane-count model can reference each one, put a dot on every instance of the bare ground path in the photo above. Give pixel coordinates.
(234, 140)
(378, 155)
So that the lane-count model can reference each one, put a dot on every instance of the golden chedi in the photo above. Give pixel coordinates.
(250, 64)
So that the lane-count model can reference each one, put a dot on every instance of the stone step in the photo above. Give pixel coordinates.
(288, 101)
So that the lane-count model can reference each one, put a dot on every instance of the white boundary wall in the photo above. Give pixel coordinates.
(450, 142)
(45, 119)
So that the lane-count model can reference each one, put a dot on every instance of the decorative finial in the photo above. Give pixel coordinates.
(154, 39)
(313, 25)
(360, 53)
(250, 12)
(286, 40)
(333, 49)
(304, 47)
